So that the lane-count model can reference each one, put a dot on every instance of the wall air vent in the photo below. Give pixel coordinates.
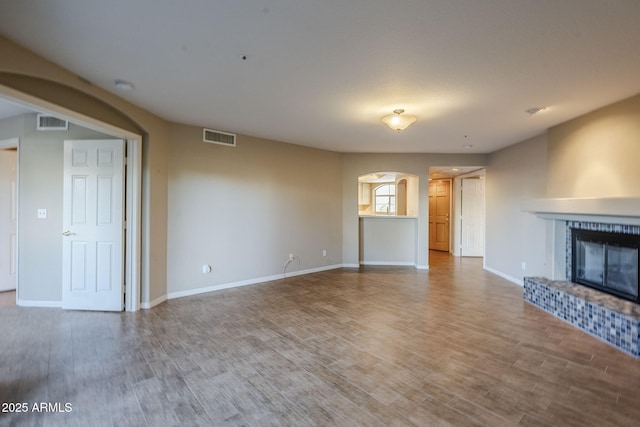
(46, 122)
(218, 137)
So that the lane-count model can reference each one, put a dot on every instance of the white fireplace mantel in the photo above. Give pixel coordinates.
(619, 210)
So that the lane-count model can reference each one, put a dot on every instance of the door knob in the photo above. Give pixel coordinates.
(68, 233)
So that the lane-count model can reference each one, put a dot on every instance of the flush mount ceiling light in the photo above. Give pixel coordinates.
(123, 84)
(397, 121)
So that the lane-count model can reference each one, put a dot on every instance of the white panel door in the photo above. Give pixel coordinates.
(473, 217)
(93, 225)
(8, 197)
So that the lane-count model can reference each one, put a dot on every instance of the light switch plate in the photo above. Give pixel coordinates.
(42, 213)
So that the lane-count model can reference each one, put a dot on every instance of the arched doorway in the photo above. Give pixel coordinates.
(133, 183)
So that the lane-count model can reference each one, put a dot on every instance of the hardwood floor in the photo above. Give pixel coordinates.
(380, 346)
(7, 298)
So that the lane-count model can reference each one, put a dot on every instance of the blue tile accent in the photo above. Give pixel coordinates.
(613, 320)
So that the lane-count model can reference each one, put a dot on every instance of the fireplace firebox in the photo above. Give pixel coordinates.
(606, 261)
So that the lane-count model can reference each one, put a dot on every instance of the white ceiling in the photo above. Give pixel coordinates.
(323, 73)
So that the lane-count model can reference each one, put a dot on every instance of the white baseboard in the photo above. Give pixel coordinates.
(58, 304)
(390, 263)
(351, 265)
(153, 303)
(504, 276)
(30, 303)
(395, 263)
(313, 270)
(180, 294)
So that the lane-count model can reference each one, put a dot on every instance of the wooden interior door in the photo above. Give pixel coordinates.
(439, 207)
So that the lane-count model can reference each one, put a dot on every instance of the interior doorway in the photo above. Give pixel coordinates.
(466, 235)
(439, 214)
(133, 188)
(8, 215)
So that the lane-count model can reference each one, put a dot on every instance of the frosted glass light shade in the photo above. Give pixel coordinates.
(397, 121)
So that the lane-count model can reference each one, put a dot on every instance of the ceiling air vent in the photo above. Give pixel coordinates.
(51, 123)
(218, 137)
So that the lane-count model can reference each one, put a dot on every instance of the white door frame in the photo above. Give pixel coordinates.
(133, 187)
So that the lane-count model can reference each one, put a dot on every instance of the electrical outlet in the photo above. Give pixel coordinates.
(291, 257)
(524, 265)
(324, 252)
(42, 213)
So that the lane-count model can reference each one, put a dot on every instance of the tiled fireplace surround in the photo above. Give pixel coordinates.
(609, 318)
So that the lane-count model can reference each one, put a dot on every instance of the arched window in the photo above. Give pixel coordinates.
(385, 199)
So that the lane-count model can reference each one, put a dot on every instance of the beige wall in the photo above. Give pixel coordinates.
(596, 155)
(26, 72)
(387, 240)
(515, 174)
(243, 210)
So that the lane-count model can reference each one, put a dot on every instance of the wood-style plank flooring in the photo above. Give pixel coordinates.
(7, 298)
(380, 346)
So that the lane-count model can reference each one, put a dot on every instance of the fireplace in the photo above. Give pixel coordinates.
(607, 261)
(595, 241)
